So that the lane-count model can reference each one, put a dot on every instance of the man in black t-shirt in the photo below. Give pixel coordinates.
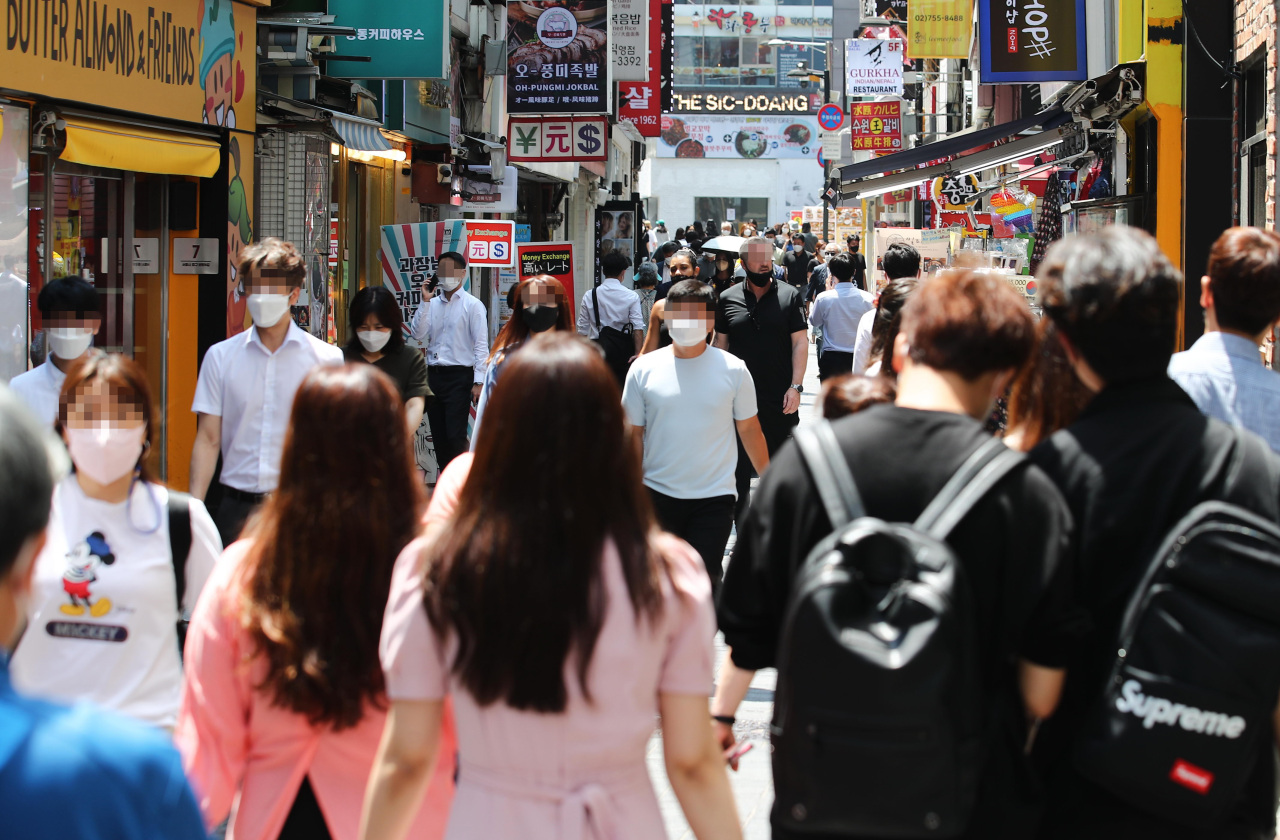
(796, 262)
(1139, 458)
(963, 337)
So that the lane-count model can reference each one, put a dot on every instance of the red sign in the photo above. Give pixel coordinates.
(875, 125)
(491, 243)
(553, 139)
(640, 103)
(552, 258)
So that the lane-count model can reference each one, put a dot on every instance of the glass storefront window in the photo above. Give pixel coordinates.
(15, 140)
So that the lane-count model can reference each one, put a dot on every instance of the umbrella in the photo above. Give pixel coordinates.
(728, 244)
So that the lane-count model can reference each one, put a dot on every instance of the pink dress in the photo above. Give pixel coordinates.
(579, 775)
(235, 741)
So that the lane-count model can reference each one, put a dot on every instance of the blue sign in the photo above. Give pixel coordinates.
(524, 233)
(1026, 41)
(831, 117)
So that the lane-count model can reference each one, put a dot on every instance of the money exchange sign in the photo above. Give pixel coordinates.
(550, 139)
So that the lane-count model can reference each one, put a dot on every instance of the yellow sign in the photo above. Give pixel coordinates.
(940, 28)
(193, 61)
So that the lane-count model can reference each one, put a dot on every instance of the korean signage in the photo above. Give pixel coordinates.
(940, 29)
(192, 61)
(1032, 40)
(557, 139)
(483, 196)
(551, 258)
(640, 103)
(875, 125)
(955, 191)
(873, 66)
(562, 63)
(885, 9)
(738, 137)
(743, 101)
(406, 39)
(410, 256)
(764, 21)
(491, 243)
(629, 39)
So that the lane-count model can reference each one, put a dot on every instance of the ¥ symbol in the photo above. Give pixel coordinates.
(527, 140)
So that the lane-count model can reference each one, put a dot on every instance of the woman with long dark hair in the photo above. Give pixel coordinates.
(1046, 395)
(377, 337)
(561, 621)
(888, 319)
(284, 702)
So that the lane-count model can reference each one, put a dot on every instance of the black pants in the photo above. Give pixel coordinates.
(305, 820)
(833, 363)
(704, 524)
(234, 510)
(777, 428)
(448, 410)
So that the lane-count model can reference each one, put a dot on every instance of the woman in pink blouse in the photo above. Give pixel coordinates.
(285, 702)
(562, 622)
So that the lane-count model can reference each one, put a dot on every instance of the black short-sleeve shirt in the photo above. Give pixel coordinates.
(406, 366)
(759, 333)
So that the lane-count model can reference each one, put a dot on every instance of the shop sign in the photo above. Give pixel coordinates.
(873, 66)
(885, 9)
(617, 230)
(562, 63)
(482, 196)
(1032, 41)
(195, 256)
(629, 39)
(737, 137)
(146, 254)
(550, 139)
(410, 256)
(639, 103)
(875, 125)
(767, 21)
(743, 101)
(491, 243)
(193, 61)
(404, 39)
(940, 29)
(554, 259)
(958, 191)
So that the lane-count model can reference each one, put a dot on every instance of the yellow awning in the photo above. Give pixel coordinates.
(136, 149)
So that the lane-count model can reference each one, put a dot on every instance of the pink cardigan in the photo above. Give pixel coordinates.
(235, 741)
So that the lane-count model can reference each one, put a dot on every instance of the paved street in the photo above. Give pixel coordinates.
(753, 783)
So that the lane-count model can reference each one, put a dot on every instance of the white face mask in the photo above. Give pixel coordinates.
(687, 332)
(450, 283)
(374, 340)
(106, 453)
(267, 310)
(69, 343)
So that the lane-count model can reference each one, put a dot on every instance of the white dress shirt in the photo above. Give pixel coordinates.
(252, 390)
(618, 306)
(455, 331)
(40, 388)
(838, 313)
(862, 346)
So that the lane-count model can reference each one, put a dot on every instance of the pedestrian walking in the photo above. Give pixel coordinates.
(993, 664)
(646, 287)
(1143, 431)
(71, 314)
(76, 771)
(837, 313)
(850, 393)
(285, 703)
(610, 316)
(1223, 370)
(455, 330)
(819, 272)
(810, 238)
(901, 263)
(377, 337)
(124, 561)
(796, 263)
(246, 386)
(657, 235)
(762, 322)
(684, 266)
(853, 244)
(580, 625)
(1046, 395)
(684, 405)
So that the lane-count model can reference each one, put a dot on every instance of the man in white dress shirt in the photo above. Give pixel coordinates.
(837, 313)
(244, 395)
(454, 327)
(71, 317)
(619, 309)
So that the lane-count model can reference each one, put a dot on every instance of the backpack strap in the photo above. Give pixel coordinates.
(179, 540)
(826, 462)
(976, 476)
(595, 304)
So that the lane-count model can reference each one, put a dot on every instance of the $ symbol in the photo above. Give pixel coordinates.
(588, 139)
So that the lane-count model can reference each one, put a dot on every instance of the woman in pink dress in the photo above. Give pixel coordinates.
(285, 702)
(562, 622)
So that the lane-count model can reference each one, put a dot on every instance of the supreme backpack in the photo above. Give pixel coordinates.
(879, 716)
(1196, 671)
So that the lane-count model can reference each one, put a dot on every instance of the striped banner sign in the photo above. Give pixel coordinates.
(409, 256)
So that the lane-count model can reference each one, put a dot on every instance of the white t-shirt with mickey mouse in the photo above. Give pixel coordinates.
(102, 618)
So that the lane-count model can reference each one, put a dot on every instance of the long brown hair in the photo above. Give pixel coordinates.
(516, 330)
(518, 578)
(1046, 395)
(128, 383)
(324, 544)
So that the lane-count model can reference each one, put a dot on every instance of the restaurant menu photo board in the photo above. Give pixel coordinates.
(738, 136)
(558, 57)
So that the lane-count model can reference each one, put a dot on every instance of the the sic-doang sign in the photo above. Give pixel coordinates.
(543, 139)
(1032, 41)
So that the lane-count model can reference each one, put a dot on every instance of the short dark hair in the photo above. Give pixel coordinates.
(27, 489)
(614, 263)
(668, 248)
(693, 291)
(1244, 276)
(380, 301)
(850, 393)
(69, 294)
(841, 267)
(806, 227)
(970, 323)
(458, 260)
(275, 254)
(900, 260)
(1114, 295)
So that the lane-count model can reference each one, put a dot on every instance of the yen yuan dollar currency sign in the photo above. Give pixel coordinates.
(527, 140)
(589, 139)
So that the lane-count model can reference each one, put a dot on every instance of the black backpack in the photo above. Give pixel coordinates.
(879, 718)
(1196, 673)
(617, 344)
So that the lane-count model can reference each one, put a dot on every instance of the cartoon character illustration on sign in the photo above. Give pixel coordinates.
(239, 234)
(217, 63)
(83, 561)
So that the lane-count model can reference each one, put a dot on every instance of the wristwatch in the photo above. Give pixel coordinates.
(799, 389)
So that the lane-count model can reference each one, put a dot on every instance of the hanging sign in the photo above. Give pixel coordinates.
(1024, 41)
(551, 139)
(875, 125)
(491, 243)
(940, 29)
(403, 39)
(562, 63)
(956, 191)
(479, 195)
(629, 39)
(640, 104)
(873, 66)
(554, 259)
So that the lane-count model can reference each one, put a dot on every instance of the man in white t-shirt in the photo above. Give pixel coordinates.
(244, 395)
(70, 313)
(685, 403)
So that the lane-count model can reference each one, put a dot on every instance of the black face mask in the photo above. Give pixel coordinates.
(540, 318)
(761, 279)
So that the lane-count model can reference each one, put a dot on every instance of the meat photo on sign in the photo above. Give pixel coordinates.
(585, 45)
